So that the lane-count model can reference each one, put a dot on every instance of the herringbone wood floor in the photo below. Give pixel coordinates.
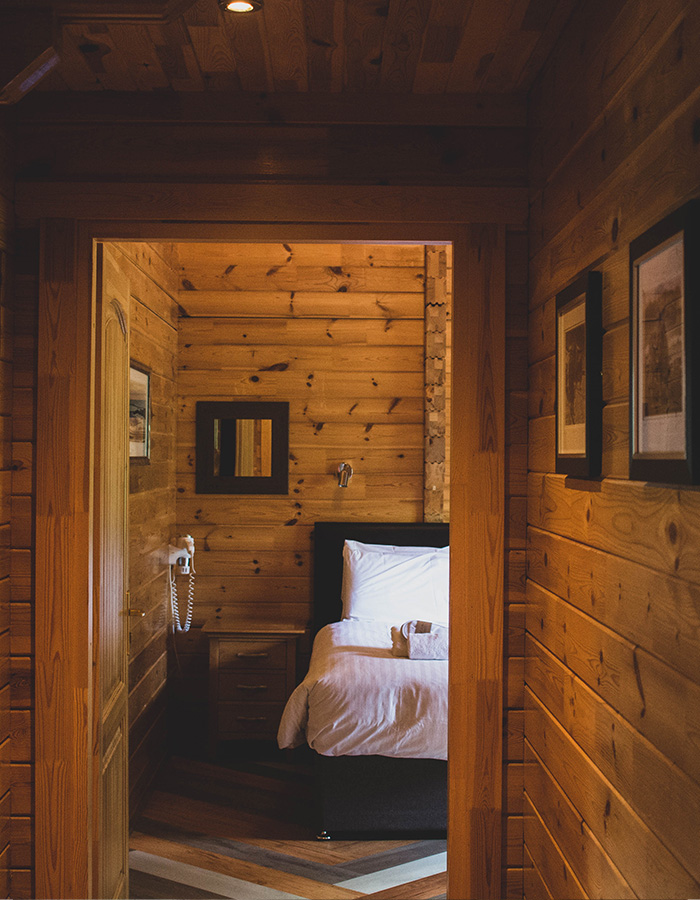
(244, 829)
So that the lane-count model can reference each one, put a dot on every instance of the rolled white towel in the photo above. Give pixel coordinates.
(413, 631)
(428, 645)
(416, 626)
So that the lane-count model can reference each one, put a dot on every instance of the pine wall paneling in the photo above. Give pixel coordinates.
(338, 331)
(612, 698)
(12, 721)
(345, 47)
(437, 369)
(516, 501)
(470, 172)
(514, 842)
(503, 110)
(24, 321)
(454, 198)
(481, 155)
(512, 851)
(477, 789)
(153, 345)
(63, 669)
(513, 283)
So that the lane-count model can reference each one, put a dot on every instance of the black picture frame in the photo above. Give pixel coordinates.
(139, 414)
(664, 271)
(579, 384)
(211, 476)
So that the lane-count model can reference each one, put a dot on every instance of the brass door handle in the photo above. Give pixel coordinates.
(251, 687)
(252, 655)
(136, 612)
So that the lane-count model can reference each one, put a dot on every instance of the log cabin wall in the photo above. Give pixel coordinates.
(74, 138)
(516, 507)
(10, 483)
(338, 331)
(612, 781)
(437, 372)
(25, 285)
(153, 346)
(268, 322)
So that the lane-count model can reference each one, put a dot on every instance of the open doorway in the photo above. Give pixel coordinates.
(480, 360)
(355, 337)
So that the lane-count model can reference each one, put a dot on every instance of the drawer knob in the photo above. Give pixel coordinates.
(251, 687)
(262, 655)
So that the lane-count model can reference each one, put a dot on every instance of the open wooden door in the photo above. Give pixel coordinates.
(110, 648)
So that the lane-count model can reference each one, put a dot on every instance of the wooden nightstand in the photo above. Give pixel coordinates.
(252, 672)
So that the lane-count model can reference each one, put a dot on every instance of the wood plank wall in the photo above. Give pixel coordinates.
(438, 372)
(7, 488)
(24, 323)
(493, 263)
(612, 780)
(466, 155)
(516, 503)
(25, 291)
(153, 345)
(72, 138)
(338, 331)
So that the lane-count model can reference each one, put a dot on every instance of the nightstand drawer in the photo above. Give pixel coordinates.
(252, 672)
(248, 719)
(253, 687)
(260, 654)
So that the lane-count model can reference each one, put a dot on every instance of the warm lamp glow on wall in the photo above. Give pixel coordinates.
(240, 6)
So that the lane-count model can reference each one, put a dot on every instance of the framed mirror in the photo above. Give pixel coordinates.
(242, 447)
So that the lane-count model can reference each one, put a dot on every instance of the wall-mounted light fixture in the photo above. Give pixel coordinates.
(241, 6)
(344, 474)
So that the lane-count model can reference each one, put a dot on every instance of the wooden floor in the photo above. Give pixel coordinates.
(244, 829)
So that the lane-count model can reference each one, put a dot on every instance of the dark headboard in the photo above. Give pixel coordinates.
(329, 538)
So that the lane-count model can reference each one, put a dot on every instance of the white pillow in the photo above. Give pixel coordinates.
(395, 586)
(393, 548)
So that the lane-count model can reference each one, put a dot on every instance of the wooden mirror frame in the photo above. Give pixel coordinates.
(206, 479)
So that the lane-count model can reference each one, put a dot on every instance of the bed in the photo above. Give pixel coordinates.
(388, 782)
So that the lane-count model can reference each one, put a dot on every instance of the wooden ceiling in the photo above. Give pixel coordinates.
(353, 46)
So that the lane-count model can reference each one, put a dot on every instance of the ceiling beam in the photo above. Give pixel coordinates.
(188, 202)
(247, 108)
(141, 12)
(28, 51)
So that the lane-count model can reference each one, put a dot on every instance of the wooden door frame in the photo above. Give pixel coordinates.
(64, 729)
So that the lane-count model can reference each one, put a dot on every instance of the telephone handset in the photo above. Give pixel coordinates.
(181, 559)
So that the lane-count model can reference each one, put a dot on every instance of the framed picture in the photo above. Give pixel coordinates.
(579, 391)
(665, 367)
(139, 414)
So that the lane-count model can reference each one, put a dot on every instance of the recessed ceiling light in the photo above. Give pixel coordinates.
(240, 6)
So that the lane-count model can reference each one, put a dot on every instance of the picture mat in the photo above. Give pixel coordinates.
(138, 413)
(571, 392)
(659, 348)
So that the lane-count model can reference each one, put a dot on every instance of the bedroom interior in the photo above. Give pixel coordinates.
(532, 142)
(343, 346)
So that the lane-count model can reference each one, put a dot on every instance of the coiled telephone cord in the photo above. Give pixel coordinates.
(177, 622)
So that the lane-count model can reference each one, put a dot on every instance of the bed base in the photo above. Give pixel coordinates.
(367, 796)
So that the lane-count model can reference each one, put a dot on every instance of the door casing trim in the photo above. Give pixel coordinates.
(65, 804)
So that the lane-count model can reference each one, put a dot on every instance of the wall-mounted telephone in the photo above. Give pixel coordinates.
(181, 560)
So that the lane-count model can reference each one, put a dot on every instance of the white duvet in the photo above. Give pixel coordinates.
(358, 699)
